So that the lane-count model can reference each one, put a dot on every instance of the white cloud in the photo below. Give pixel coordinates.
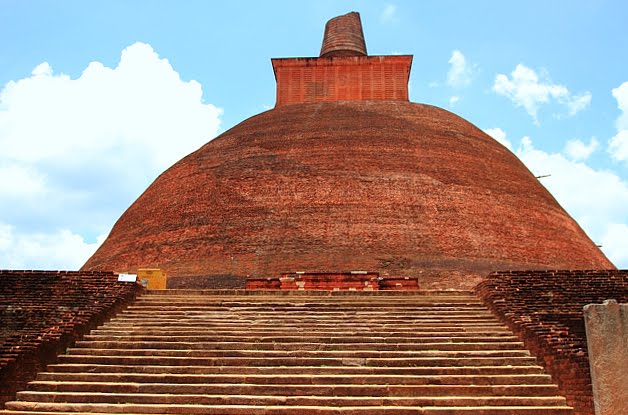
(74, 153)
(453, 100)
(577, 103)
(58, 250)
(578, 150)
(500, 136)
(389, 14)
(621, 95)
(18, 181)
(615, 243)
(527, 89)
(597, 199)
(618, 145)
(461, 72)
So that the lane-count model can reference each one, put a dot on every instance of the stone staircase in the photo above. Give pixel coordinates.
(303, 352)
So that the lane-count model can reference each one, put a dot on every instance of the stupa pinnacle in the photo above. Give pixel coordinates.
(343, 72)
(346, 174)
(344, 37)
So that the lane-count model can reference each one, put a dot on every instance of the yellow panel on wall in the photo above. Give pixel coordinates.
(152, 278)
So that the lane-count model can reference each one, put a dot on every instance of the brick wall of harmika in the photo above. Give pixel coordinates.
(44, 312)
(544, 308)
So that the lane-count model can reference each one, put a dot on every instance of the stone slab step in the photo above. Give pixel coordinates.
(252, 336)
(273, 318)
(297, 361)
(287, 337)
(268, 311)
(296, 389)
(120, 398)
(21, 408)
(294, 346)
(445, 325)
(253, 332)
(365, 309)
(312, 302)
(302, 298)
(366, 354)
(288, 370)
(248, 352)
(287, 317)
(357, 379)
(242, 293)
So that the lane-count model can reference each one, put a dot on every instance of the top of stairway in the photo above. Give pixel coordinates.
(309, 293)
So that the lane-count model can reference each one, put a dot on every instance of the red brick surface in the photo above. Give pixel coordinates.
(44, 312)
(357, 281)
(394, 187)
(344, 78)
(544, 308)
(332, 281)
(344, 37)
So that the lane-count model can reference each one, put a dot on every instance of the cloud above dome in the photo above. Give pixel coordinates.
(527, 89)
(461, 71)
(618, 145)
(596, 198)
(74, 153)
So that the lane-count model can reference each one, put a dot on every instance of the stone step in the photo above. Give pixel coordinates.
(371, 390)
(314, 305)
(339, 335)
(435, 371)
(366, 308)
(133, 409)
(292, 319)
(305, 338)
(216, 399)
(260, 295)
(301, 295)
(278, 323)
(299, 309)
(319, 336)
(119, 324)
(315, 379)
(310, 353)
(469, 344)
(298, 317)
(27, 408)
(306, 306)
(496, 332)
(297, 361)
(311, 302)
(365, 354)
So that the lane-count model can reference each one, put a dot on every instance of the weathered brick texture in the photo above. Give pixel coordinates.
(344, 37)
(332, 281)
(400, 188)
(342, 79)
(545, 309)
(44, 312)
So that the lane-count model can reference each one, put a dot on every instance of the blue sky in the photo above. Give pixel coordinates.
(97, 98)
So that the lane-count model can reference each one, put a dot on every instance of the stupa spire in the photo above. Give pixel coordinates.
(343, 71)
(344, 37)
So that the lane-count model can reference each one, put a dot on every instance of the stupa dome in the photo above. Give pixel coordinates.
(360, 181)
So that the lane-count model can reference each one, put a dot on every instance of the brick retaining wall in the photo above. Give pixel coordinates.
(44, 312)
(544, 308)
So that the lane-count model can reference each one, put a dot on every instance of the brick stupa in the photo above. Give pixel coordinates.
(346, 174)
